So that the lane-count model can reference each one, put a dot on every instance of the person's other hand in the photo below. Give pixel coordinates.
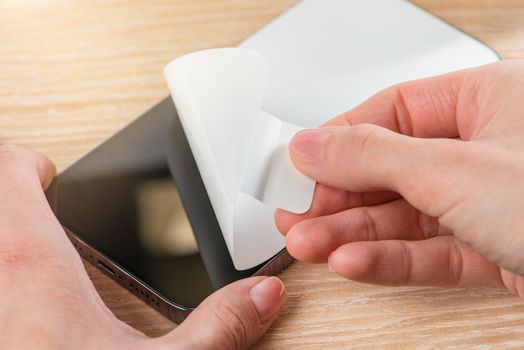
(48, 301)
(422, 184)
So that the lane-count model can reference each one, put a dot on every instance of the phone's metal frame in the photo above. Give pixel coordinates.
(174, 312)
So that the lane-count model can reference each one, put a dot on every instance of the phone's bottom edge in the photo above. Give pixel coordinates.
(173, 312)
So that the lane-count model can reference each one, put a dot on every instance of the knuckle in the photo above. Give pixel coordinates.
(362, 130)
(404, 124)
(455, 262)
(406, 262)
(369, 225)
(428, 226)
(363, 137)
(236, 324)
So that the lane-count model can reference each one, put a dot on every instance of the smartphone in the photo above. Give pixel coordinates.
(136, 208)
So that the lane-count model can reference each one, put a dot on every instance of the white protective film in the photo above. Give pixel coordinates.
(241, 151)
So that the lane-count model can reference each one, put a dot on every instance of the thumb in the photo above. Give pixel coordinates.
(365, 157)
(233, 317)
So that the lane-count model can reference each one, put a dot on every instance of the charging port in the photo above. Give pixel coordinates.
(106, 268)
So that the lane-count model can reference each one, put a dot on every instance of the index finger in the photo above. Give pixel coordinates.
(420, 108)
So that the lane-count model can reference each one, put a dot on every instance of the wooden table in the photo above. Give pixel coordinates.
(74, 72)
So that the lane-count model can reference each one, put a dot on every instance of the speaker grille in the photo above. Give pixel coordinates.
(115, 274)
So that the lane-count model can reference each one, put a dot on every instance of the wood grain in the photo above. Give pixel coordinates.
(74, 72)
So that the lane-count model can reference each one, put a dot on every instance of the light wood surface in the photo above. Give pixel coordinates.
(74, 72)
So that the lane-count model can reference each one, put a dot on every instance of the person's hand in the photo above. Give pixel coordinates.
(48, 301)
(422, 184)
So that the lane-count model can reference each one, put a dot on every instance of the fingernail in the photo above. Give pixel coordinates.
(266, 294)
(329, 264)
(308, 145)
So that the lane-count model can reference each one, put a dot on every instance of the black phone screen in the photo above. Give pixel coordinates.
(139, 200)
